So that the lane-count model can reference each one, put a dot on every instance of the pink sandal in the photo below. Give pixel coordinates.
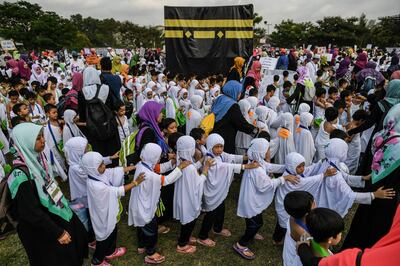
(188, 249)
(141, 250)
(192, 240)
(258, 237)
(151, 260)
(206, 242)
(117, 253)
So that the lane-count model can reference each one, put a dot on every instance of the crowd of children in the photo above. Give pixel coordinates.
(303, 158)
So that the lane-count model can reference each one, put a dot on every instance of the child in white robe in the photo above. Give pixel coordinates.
(295, 165)
(188, 193)
(104, 188)
(335, 192)
(184, 101)
(284, 143)
(303, 108)
(144, 201)
(262, 113)
(303, 139)
(256, 194)
(171, 104)
(71, 130)
(243, 140)
(195, 113)
(122, 122)
(216, 188)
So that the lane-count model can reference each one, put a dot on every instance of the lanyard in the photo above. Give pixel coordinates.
(122, 127)
(302, 175)
(334, 165)
(95, 179)
(70, 130)
(52, 136)
(212, 156)
(317, 247)
(304, 127)
(147, 166)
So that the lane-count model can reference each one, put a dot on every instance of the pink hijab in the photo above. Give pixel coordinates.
(24, 72)
(253, 73)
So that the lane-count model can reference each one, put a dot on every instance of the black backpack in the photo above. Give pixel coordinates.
(100, 120)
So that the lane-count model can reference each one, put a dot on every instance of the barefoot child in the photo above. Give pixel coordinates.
(256, 194)
(104, 188)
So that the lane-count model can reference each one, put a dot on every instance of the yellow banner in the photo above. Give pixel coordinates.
(238, 34)
(173, 34)
(208, 23)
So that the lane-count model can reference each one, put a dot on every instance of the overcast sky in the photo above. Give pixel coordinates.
(151, 12)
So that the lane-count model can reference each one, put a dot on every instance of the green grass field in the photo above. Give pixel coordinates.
(12, 252)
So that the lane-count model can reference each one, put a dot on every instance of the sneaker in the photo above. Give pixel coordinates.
(117, 253)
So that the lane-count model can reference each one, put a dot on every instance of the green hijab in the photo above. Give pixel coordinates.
(392, 93)
(24, 137)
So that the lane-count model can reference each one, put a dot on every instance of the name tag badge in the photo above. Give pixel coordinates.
(54, 192)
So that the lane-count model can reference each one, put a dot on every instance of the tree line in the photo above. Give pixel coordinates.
(335, 30)
(38, 29)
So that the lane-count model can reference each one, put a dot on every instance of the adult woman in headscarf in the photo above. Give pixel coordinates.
(50, 232)
(91, 81)
(149, 118)
(24, 70)
(38, 75)
(343, 71)
(228, 117)
(361, 62)
(371, 222)
(375, 118)
(370, 71)
(236, 71)
(116, 65)
(255, 73)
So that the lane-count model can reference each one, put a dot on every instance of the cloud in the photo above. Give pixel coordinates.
(151, 12)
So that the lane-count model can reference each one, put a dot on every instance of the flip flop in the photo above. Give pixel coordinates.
(241, 252)
(224, 232)
(188, 249)
(150, 260)
(206, 242)
(117, 253)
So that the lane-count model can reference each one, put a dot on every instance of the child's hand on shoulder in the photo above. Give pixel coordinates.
(381, 193)
(139, 179)
(209, 162)
(330, 172)
(292, 179)
(184, 164)
(252, 165)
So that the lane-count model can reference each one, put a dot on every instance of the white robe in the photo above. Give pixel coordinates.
(304, 144)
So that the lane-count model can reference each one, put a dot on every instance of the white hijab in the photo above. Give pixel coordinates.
(219, 178)
(144, 198)
(74, 149)
(192, 87)
(273, 103)
(71, 129)
(310, 184)
(90, 81)
(303, 139)
(189, 188)
(103, 194)
(280, 147)
(257, 188)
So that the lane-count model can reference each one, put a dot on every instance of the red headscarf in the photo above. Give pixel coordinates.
(77, 81)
